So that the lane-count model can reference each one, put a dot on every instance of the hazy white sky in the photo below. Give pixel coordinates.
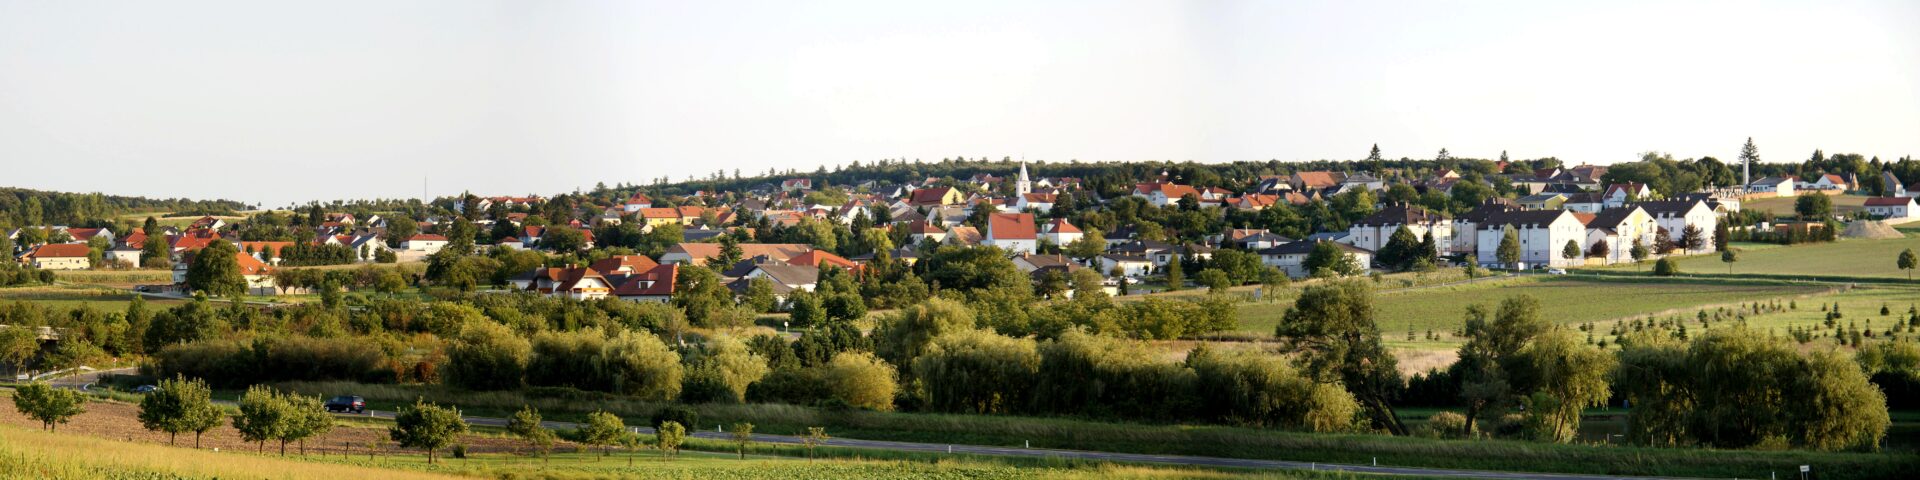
(280, 103)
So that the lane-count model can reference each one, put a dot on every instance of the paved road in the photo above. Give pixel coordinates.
(1085, 455)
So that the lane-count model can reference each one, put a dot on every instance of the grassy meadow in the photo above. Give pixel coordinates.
(1563, 299)
(67, 297)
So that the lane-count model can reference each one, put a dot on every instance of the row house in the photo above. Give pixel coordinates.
(1618, 229)
(1543, 234)
(1371, 233)
(1292, 257)
(1674, 216)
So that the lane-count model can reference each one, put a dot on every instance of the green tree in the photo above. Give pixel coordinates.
(561, 238)
(18, 344)
(742, 436)
(526, 425)
(1720, 234)
(602, 430)
(1729, 256)
(51, 406)
(725, 363)
(216, 271)
(1509, 250)
(263, 416)
(1692, 238)
(1571, 251)
(860, 380)
(814, 437)
(1175, 279)
(760, 295)
(639, 364)
(1813, 207)
(1666, 267)
(488, 356)
(180, 405)
(307, 418)
(399, 229)
(1214, 279)
(427, 427)
(1332, 327)
(1907, 261)
(1328, 259)
(1088, 247)
(1401, 250)
(1565, 376)
(668, 437)
(1639, 252)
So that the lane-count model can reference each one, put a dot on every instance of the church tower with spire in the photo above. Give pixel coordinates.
(1023, 185)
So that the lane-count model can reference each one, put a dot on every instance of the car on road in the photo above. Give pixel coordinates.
(145, 389)
(346, 403)
(1556, 271)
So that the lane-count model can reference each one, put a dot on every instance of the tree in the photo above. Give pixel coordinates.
(1509, 250)
(1813, 207)
(155, 253)
(1600, 250)
(263, 416)
(1175, 280)
(427, 427)
(18, 344)
(1333, 329)
(180, 405)
(526, 425)
(727, 367)
(1088, 247)
(488, 356)
(1492, 343)
(1692, 238)
(1401, 250)
(1639, 252)
(1571, 251)
(814, 437)
(639, 364)
(562, 238)
(1907, 262)
(602, 429)
(668, 437)
(1729, 256)
(399, 229)
(1564, 376)
(860, 380)
(1215, 280)
(307, 418)
(1328, 259)
(216, 271)
(51, 406)
(742, 436)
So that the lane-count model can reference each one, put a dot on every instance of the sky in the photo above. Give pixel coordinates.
(277, 102)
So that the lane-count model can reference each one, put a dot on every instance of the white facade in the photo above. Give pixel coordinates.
(1540, 243)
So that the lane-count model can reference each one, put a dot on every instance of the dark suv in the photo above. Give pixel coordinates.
(347, 403)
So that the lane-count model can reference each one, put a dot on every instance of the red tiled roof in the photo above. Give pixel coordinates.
(275, 247)
(427, 237)
(818, 258)
(631, 263)
(930, 196)
(1321, 179)
(62, 250)
(659, 213)
(655, 281)
(194, 241)
(1011, 226)
(249, 266)
(1060, 225)
(1888, 201)
(924, 228)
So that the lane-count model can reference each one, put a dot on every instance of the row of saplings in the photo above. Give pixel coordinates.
(182, 405)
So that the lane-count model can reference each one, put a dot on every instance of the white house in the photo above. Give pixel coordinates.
(1466, 227)
(1542, 234)
(1618, 229)
(1060, 232)
(61, 256)
(1292, 257)
(1371, 233)
(1674, 216)
(1013, 232)
(1129, 265)
(1619, 194)
(425, 242)
(1823, 182)
(1891, 208)
(1161, 194)
(1035, 202)
(1778, 186)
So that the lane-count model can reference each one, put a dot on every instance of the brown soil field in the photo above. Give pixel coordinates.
(120, 421)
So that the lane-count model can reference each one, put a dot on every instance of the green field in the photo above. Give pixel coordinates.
(67, 297)
(1783, 206)
(1847, 258)
(115, 278)
(1563, 299)
(1858, 307)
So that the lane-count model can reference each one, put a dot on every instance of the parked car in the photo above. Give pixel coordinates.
(145, 389)
(346, 403)
(1556, 271)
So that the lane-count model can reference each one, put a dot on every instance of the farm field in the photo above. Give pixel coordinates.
(1783, 206)
(1857, 258)
(1563, 299)
(1859, 307)
(67, 297)
(114, 278)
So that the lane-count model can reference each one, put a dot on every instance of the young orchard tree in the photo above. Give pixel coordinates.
(1571, 251)
(180, 405)
(51, 406)
(668, 437)
(427, 427)
(526, 425)
(603, 430)
(742, 437)
(1907, 262)
(1729, 256)
(814, 437)
(1509, 250)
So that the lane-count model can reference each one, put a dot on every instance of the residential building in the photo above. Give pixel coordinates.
(1059, 232)
(654, 284)
(1618, 228)
(1674, 216)
(1542, 233)
(1371, 233)
(1778, 186)
(1013, 232)
(698, 253)
(60, 256)
(1543, 201)
(1128, 265)
(1891, 208)
(1292, 257)
(579, 283)
(1620, 194)
(425, 242)
(1162, 194)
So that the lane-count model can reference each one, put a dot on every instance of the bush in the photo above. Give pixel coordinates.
(488, 356)
(237, 363)
(684, 416)
(859, 380)
(1666, 267)
(1446, 425)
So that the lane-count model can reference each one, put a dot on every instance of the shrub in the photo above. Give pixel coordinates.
(860, 380)
(1666, 267)
(1446, 425)
(236, 363)
(488, 356)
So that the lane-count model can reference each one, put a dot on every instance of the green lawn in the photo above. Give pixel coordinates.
(1865, 259)
(1859, 307)
(1563, 299)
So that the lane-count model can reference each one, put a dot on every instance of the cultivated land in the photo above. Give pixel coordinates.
(66, 297)
(1563, 299)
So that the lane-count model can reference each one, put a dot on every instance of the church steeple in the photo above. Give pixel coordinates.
(1023, 185)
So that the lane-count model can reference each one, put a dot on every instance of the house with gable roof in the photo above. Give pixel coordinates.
(1013, 232)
